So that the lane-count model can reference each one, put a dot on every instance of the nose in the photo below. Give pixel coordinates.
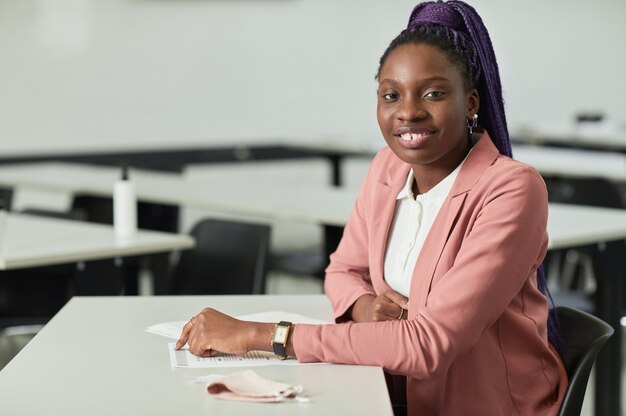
(411, 109)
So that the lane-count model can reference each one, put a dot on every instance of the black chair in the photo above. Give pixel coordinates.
(32, 296)
(301, 263)
(229, 258)
(583, 336)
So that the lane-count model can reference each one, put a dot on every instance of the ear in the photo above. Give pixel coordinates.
(472, 100)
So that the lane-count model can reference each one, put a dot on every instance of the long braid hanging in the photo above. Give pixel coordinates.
(487, 77)
(494, 118)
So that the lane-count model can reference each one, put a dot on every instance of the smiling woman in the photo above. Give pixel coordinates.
(423, 105)
(446, 219)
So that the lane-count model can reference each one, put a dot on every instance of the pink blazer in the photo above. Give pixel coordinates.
(475, 342)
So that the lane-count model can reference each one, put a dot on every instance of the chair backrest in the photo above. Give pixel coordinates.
(229, 258)
(583, 336)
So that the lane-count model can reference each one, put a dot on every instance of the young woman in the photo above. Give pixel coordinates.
(437, 277)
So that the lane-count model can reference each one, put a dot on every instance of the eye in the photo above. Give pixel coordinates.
(434, 94)
(389, 95)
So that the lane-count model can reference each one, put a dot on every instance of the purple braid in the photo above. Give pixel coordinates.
(456, 28)
(462, 18)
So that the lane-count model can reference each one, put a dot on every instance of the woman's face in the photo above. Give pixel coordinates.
(423, 108)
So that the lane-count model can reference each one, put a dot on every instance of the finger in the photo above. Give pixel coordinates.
(396, 314)
(202, 350)
(388, 310)
(196, 348)
(398, 299)
(387, 313)
(184, 336)
(209, 353)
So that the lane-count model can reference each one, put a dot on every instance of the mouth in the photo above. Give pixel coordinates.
(412, 137)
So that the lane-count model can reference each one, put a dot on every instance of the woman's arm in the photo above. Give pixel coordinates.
(211, 332)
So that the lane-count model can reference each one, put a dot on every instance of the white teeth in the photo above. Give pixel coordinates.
(412, 136)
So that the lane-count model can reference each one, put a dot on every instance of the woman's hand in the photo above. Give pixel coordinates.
(211, 331)
(388, 306)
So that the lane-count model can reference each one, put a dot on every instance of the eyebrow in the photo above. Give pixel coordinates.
(424, 81)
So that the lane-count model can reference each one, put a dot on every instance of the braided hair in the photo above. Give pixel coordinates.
(455, 28)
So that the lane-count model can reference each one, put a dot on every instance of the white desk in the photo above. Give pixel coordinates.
(29, 241)
(574, 163)
(94, 358)
(603, 136)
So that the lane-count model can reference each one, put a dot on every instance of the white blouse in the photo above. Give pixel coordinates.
(413, 218)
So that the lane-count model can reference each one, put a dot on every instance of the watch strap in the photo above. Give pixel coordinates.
(280, 348)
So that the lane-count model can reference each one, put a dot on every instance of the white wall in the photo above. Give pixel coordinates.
(100, 74)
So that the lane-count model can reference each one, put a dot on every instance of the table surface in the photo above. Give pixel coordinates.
(95, 358)
(574, 225)
(575, 163)
(28, 241)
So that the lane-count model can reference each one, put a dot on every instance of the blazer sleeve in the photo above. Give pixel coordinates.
(348, 275)
(501, 250)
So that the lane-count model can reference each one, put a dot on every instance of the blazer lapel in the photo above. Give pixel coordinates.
(384, 204)
(482, 156)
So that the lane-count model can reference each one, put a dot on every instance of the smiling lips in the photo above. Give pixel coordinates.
(412, 138)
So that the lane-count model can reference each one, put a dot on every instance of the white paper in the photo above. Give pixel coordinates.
(184, 359)
(167, 329)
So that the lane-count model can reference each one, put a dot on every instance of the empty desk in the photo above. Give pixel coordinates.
(95, 358)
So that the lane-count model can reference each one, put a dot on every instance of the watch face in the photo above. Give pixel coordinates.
(280, 334)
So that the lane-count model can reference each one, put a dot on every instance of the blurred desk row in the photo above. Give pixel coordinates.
(599, 135)
(31, 241)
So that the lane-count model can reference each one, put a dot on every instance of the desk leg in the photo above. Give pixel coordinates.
(610, 269)
(160, 267)
(335, 161)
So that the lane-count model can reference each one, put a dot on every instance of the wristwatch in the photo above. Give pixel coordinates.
(279, 339)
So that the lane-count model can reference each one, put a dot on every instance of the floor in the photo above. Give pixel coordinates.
(277, 284)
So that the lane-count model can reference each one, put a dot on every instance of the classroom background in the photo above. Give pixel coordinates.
(291, 83)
